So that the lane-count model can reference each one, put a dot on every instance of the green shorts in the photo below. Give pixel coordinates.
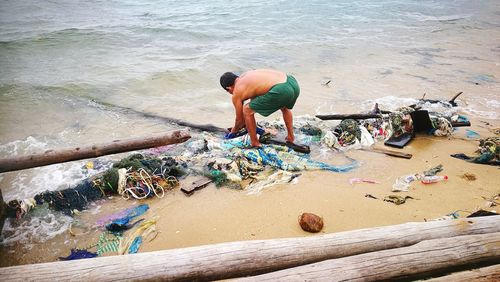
(282, 95)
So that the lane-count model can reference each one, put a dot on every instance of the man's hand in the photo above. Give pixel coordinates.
(260, 131)
(229, 135)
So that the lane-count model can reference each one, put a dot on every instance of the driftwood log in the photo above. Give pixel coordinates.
(237, 259)
(490, 273)
(417, 261)
(118, 146)
(367, 116)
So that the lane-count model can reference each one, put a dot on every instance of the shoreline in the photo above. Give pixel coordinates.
(214, 215)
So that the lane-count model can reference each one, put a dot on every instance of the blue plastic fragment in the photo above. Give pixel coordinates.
(134, 247)
(79, 254)
(471, 134)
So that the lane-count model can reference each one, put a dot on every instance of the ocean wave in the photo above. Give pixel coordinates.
(27, 183)
(29, 145)
(40, 226)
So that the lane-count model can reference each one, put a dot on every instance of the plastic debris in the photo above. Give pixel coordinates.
(492, 201)
(433, 179)
(402, 184)
(453, 215)
(79, 254)
(353, 181)
(434, 170)
(143, 231)
(471, 134)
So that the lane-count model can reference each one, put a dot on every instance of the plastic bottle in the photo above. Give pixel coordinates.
(433, 179)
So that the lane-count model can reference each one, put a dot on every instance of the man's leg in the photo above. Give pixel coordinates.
(251, 125)
(288, 118)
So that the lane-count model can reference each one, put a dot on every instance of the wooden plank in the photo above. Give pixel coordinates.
(388, 152)
(417, 261)
(195, 185)
(460, 124)
(490, 273)
(65, 155)
(236, 259)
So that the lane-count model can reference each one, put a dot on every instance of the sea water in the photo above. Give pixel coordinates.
(67, 68)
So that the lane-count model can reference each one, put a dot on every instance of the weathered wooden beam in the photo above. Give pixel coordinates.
(126, 110)
(483, 274)
(237, 259)
(348, 116)
(65, 155)
(417, 261)
(367, 116)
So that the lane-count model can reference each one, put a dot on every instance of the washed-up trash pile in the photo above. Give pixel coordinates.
(487, 153)
(460, 214)
(120, 235)
(233, 163)
(135, 176)
(394, 128)
(429, 176)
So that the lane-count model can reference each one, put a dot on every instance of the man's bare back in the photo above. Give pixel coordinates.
(269, 90)
(256, 83)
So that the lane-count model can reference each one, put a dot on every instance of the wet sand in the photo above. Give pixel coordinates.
(214, 215)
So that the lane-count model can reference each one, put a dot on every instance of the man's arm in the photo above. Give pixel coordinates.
(239, 122)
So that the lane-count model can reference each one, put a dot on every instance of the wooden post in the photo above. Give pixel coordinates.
(417, 261)
(237, 259)
(65, 155)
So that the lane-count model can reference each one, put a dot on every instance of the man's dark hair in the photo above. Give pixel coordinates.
(227, 79)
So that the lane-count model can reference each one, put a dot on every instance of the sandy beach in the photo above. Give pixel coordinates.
(80, 73)
(214, 215)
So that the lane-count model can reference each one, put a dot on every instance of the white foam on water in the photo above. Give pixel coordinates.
(483, 108)
(441, 108)
(55, 177)
(21, 147)
(28, 183)
(40, 226)
(388, 103)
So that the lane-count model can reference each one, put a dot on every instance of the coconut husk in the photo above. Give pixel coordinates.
(311, 222)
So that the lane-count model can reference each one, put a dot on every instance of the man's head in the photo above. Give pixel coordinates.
(227, 81)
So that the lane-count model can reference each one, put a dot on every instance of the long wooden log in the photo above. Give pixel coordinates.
(367, 116)
(201, 127)
(236, 259)
(348, 116)
(417, 261)
(490, 273)
(65, 155)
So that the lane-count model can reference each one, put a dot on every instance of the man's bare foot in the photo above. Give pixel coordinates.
(256, 145)
(289, 139)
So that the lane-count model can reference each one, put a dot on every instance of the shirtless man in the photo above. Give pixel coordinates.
(269, 91)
